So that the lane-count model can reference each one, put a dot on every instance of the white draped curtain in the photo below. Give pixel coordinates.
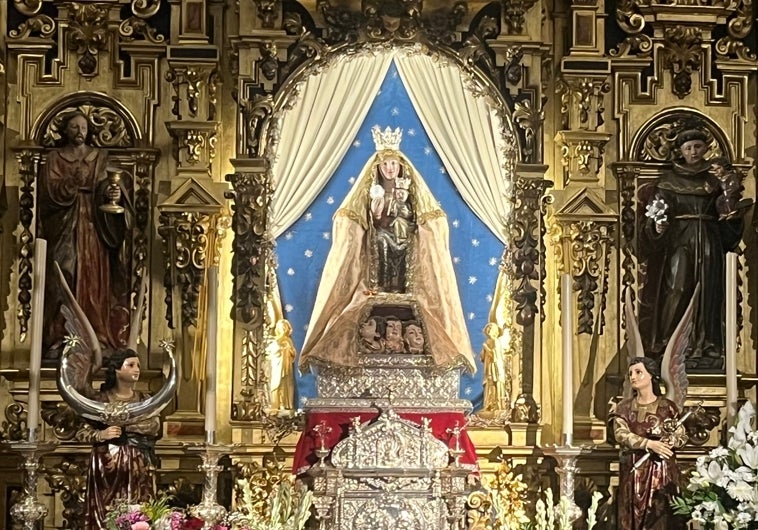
(466, 133)
(317, 132)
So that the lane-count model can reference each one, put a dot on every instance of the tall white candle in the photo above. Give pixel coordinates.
(210, 355)
(731, 337)
(35, 355)
(567, 329)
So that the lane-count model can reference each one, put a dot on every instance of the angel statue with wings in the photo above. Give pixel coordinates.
(648, 427)
(121, 422)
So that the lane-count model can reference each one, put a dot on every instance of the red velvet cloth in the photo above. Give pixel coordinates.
(339, 422)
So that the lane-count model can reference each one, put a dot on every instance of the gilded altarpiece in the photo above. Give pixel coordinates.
(191, 98)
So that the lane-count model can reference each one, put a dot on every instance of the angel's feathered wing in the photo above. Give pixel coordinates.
(82, 349)
(634, 346)
(673, 370)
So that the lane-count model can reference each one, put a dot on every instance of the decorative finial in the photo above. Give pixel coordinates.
(71, 341)
(167, 345)
(388, 139)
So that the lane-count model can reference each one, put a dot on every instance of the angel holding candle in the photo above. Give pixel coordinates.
(648, 429)
(121, 422)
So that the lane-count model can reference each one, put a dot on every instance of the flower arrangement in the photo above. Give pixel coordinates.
(155, 514)
(507, 493)
(722, 492)
(268, 499)
(558, 516)
(507, 497)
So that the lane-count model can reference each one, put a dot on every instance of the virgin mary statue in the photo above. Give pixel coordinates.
(389, 247)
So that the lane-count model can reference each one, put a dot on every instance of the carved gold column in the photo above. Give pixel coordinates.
(252, 252)
(194, 215)
(583, 228)
(518, 71)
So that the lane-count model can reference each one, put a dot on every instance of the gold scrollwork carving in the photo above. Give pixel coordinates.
(63, 419)
(251, 195)
(27, 164)
(145, 8)
(738, 28)
(582, 153)
(479, 511)
(660, 142)
(88, 34)
(266, 10)
(134, 27)
(582, 101)
(107, 127)
(589, 254)
(13, 426)
(212, 94)
(255, 112)
(529, 118)
(69, 480)
(28, 7)
(143, 169)
(268, 63)
(475, 50)
(682, 54)
(514, 12)
(193, 141)
(528, 246)
(41, 25)
(186, 239)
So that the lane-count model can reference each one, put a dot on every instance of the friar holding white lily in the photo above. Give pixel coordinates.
(648, 427)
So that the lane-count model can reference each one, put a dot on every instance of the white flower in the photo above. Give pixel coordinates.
(741, 491)
(718, 452)
(713, 472)
(376, 191)
(749, 456)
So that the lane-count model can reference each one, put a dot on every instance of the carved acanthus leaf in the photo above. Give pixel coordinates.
(590, 243)
(514, 14)
(682, 55)
(88, 34)
(529, 118)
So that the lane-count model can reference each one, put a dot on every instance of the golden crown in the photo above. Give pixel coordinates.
(388, 139)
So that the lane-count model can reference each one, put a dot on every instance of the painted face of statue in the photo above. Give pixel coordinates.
(389, 168)
(368, 330)
(76, 130)
(414, 338)
(639, 377)
(394, 330)
(693, 151)
(129, 371)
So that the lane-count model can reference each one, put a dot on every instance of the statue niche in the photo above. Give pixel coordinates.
(690, 216)
(86, 212)
(388, 284)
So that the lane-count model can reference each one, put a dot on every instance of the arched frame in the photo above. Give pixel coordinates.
(254, 190)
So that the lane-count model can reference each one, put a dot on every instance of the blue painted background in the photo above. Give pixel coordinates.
(303, 248)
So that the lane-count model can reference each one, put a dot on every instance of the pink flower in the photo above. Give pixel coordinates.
(141, 525)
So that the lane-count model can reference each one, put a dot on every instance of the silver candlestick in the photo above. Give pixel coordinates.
(28, 510)
(566, 456)
(209, 510)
